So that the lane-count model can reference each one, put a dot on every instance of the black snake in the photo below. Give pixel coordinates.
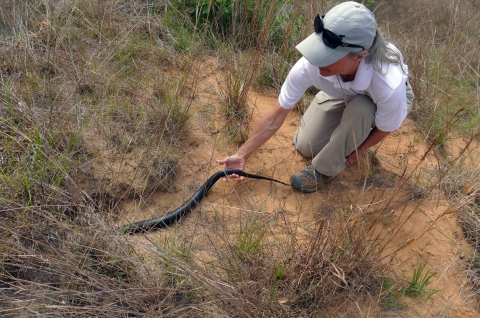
(177, 214)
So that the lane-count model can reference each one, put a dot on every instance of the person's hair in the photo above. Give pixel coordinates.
(379, 52)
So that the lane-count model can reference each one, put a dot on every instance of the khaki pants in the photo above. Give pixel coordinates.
(329, 131)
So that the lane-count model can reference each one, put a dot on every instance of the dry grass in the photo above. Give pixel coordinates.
(114, 81)
(441, 53)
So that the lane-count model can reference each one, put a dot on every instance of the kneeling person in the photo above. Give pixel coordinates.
(364, 95)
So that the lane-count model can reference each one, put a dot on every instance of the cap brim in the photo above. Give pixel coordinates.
(317, 53)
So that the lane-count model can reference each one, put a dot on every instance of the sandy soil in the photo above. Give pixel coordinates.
(419, 224)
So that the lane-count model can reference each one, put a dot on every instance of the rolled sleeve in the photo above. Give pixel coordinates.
(296, 84)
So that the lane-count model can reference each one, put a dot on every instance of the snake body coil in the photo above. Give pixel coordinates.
(177, 214)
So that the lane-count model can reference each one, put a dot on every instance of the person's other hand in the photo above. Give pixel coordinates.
(353, 157)
(233, 162)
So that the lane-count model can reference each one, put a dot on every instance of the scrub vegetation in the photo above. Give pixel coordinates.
(114, 81)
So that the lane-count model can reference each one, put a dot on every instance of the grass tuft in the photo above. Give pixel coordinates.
(418, 284)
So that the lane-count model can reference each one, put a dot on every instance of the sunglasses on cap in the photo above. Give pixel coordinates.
(329, 38)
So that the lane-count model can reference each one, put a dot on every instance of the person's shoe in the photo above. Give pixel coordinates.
(309, 180)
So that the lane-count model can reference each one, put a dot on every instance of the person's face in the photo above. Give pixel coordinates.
(345, 66)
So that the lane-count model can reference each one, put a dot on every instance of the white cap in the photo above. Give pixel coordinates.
(356, 25)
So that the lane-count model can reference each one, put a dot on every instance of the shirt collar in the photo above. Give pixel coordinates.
(362, 80)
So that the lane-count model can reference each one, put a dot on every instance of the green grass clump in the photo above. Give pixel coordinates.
(418, 284)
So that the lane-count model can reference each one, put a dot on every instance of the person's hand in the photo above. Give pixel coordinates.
(233, 162)
(353, 157)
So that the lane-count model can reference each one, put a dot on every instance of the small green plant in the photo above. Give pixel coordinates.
(216, 216)
(250, 238)
(418, 284)
(390, 296)
(280, 271)
(178, 247)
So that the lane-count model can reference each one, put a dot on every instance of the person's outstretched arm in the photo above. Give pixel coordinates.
(263, 131)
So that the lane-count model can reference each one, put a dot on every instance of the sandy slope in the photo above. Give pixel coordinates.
(416, 226)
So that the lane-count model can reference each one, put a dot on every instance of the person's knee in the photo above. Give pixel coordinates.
(303, 148)
(359, 116)
(362, 110)
(362, 105)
